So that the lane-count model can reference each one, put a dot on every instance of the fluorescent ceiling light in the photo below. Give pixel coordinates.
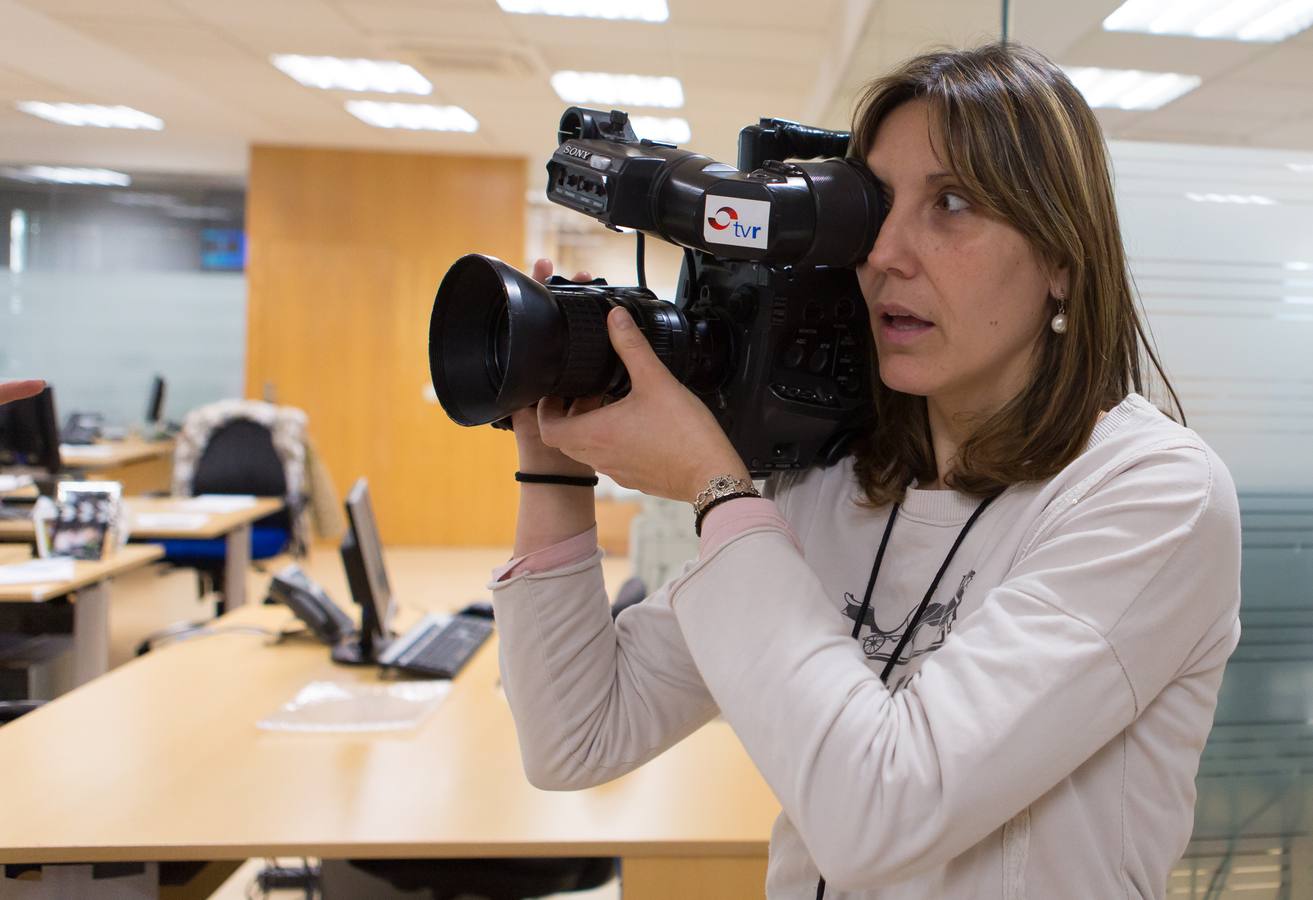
(639, 10)
(1241, 20)
(331, 73)
(1302, 168)
(1299, 266)
(1255, 199)
(618, 90)
(91, 114)
(1130, 88)
(673, 131)
(412, 116)
(66, 175)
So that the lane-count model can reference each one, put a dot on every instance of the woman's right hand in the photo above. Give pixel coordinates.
(535, 456)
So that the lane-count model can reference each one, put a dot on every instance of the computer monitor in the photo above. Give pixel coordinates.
(155, 407)
(362, 557)
(29, 433)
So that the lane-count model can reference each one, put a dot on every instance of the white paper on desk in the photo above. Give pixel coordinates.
(93, 451)
(170, 520)
(218, 503)
(333, 706)
(14, 482)
(37, 571)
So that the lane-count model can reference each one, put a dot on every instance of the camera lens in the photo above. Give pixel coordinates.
(500, 341)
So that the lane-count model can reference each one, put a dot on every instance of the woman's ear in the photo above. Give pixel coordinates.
(1060, 283)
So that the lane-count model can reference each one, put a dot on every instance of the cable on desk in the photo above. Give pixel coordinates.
(190, 632)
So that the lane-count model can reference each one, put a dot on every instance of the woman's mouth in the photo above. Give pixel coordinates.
(903, 329)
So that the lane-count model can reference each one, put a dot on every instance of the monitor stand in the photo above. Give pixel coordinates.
(355, 651)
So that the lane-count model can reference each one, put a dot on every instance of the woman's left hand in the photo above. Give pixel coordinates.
(659, 439)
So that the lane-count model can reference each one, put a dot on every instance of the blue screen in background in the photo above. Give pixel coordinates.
(223, 249)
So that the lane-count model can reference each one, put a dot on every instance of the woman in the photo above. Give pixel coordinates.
(1039, 568)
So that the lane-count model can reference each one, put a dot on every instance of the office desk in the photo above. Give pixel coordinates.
(182, 772)
(233, 526)
(139, 465)
(29, 607)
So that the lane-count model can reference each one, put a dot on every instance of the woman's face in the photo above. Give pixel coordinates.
(958, 299)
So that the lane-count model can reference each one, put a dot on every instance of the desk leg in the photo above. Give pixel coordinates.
(237, 561)
(91, 632)
(693, 877)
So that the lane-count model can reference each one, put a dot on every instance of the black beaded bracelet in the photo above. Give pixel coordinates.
(697, 523)
(571, 480)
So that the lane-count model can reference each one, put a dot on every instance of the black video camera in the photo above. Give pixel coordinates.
(769, 328)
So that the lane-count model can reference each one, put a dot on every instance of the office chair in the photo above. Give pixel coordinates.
(485, 879)
(12, 709)
(239, 458)
(632, 592)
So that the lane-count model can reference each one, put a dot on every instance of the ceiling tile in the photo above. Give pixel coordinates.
(127, 10)
(1158, 53)
(160, 39)
(1286, 63)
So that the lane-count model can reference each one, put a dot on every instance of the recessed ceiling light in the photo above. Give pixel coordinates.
(1130, 88)
(1302, 168)
(332, 73)
(672, 131)
(1299, 266)
(67, 175)
(91, 114)
(639, 10)
(620, 90)
(412, 116)
(1241, 20)
(1256, 199)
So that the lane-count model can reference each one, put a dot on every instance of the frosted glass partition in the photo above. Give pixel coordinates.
(1226, 276)
(100, 338)
(103, 287)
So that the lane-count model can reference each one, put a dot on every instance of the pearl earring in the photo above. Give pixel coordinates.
(1059, 322)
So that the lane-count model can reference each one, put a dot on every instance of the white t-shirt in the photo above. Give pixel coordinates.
(1040, 733)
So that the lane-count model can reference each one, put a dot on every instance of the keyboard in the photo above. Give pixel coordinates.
(438, 646)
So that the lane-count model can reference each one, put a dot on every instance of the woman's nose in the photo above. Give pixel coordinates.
(891, 253)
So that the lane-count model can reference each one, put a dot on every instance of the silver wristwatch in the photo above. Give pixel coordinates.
(722, 486)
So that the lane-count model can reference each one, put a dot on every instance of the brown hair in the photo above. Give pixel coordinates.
(1027, 149)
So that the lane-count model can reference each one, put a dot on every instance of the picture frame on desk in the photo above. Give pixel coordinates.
(87, 522)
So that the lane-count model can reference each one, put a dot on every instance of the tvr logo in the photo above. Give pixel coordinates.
(736, 221)
(727, 217)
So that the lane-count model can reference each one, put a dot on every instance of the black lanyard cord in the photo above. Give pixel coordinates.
(920, 610)
(875, 570)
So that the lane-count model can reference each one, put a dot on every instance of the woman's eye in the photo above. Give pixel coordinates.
(953, 202)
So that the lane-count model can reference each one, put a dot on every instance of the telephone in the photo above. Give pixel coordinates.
(311, 604)
(82, 428)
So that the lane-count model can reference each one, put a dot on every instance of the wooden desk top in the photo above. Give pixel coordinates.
(216, 524)
(84, 573)
(111, 454)
(179, 770)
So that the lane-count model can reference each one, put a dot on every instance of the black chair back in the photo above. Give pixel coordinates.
(240, 458)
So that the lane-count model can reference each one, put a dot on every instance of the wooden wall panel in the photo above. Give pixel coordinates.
(346, 250)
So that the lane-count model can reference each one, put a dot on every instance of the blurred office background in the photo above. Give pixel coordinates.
(252, 235)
